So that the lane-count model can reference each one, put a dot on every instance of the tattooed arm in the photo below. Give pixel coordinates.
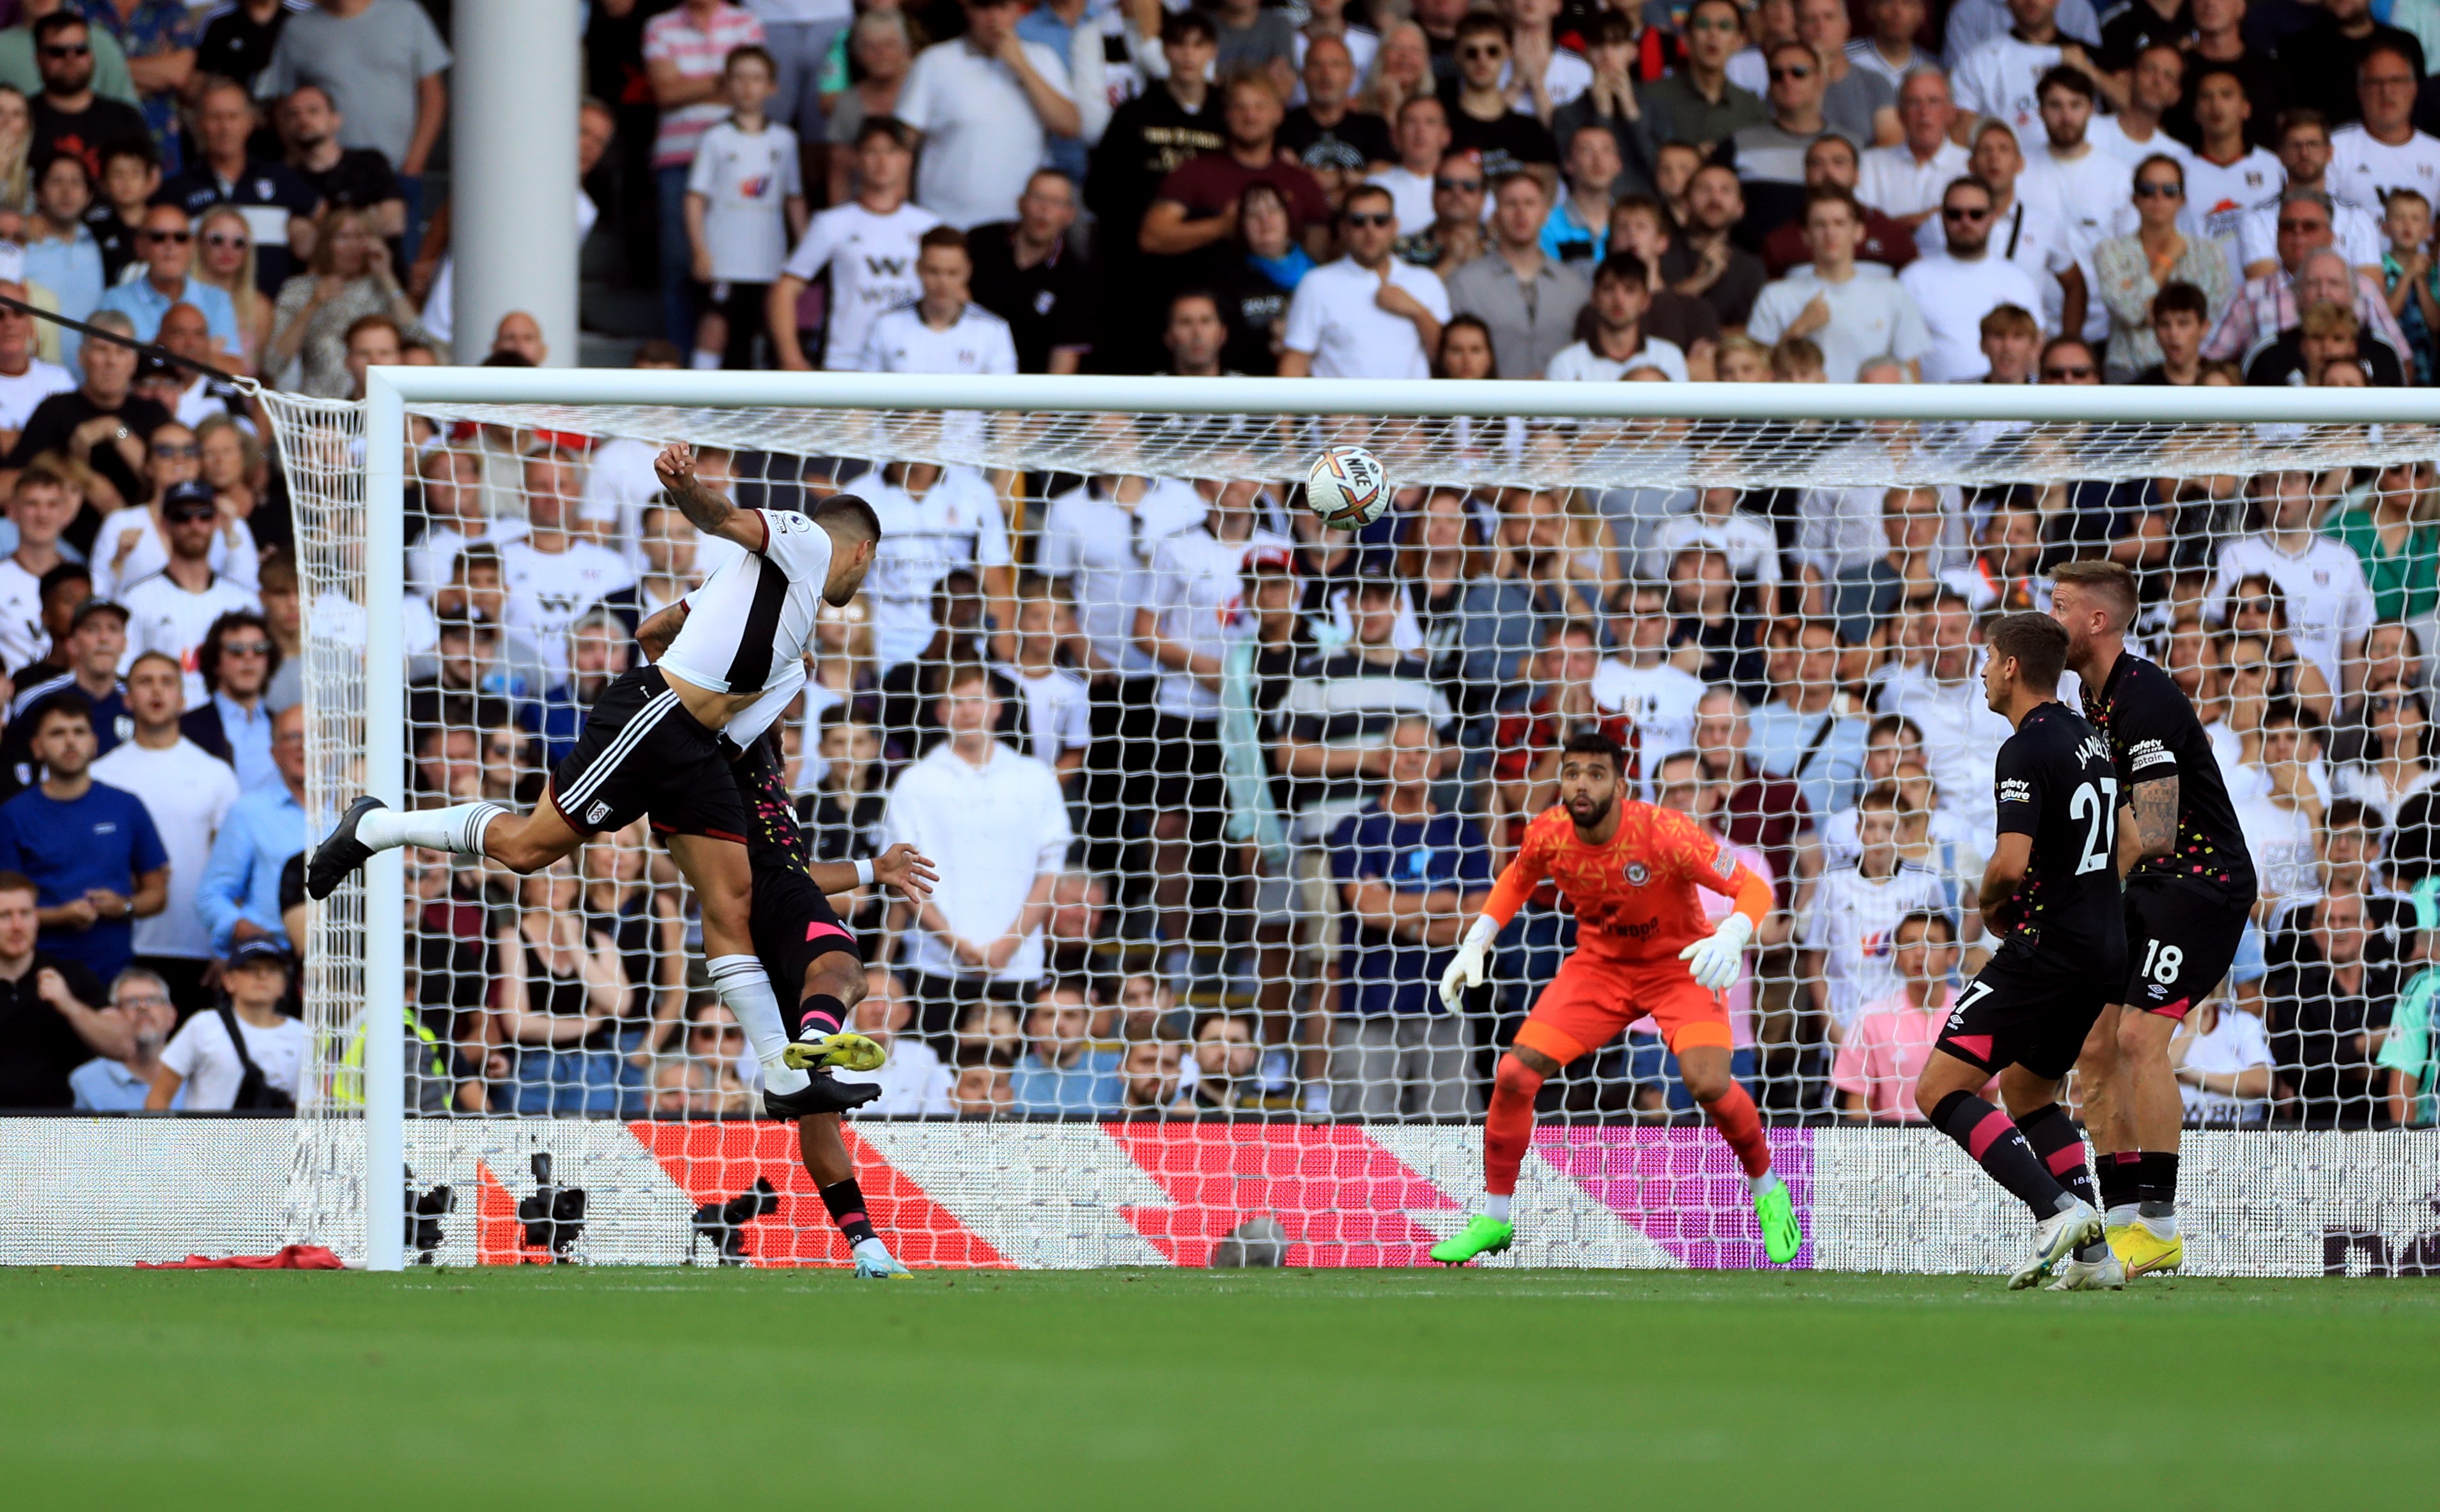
(705, 509)
(2154, 805)
(656, 634)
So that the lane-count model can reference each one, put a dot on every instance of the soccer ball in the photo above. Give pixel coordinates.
(1347, 488)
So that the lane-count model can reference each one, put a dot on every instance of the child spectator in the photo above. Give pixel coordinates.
(1877, 1065)
(744, 205)
(1849, 941)
(2407, 273)
(245, 1057)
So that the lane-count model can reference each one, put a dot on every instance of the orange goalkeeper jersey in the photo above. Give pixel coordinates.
(1634, 897)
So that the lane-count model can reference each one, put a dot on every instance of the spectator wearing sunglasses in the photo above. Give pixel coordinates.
(174, 609)
(18, 55)
(68, 115)
(1367, 314)
(280, 204)
(1480, 114)
(1770, 156)
(166, 240)
(1958, 287)
(2128, 270)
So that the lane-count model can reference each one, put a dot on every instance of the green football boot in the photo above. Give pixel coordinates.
(1480, 1236)
(1775, 1210)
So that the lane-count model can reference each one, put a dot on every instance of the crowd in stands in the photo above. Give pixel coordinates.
(1213, 789)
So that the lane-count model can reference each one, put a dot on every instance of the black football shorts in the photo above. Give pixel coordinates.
(2180, 942)
(640, 752)
(793, 926)
(2020, 1011)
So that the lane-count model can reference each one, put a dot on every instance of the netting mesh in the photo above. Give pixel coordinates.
(1288, 763)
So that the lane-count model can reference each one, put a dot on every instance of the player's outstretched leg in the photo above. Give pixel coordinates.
(370, 825)
(834, 985)
(2093, 1267)
(1507, 1129)
(1706, 1069)
(2062, 1220)
(826, 1161)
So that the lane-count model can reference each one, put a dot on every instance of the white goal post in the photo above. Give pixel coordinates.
(348, 466)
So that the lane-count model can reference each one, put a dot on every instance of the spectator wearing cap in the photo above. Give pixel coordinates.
(49, 1022)
(140, 1004)
(86, 658)
(1527, 298)
(188, 792)
(1367, 315)
(1622, 294)
(238, 893)
(278, 202)
(236, 660)
(1831, 159)
(988, 104)
(246, 1055)
(1849, 317)
(1958, 287)
(102, 422)
(1410, 878)
(133, 543)
(172, 610)
(96, 860)
(166, 242)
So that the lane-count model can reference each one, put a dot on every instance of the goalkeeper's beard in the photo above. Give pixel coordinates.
(1590, 813)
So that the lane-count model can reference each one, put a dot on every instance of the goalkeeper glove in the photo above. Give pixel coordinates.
(1716, 956)
(1467, 968)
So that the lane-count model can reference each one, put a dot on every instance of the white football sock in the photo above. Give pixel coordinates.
(1494, 1206)
(745, 989)
(2122, 1215)
(1759, 1184)
(871, 1248)
(458, 830)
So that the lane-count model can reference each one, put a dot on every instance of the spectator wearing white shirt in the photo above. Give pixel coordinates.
(1850, 314)
(944, 331)
(912, 1079)
(215, 1050)
(1851, 933)
(1998, 77)
(868, 246)
(1639, 679)
(1904, 180)
(1747, 541)
(996, 824)
(2154, 87)
(1959, 285)
(2383, 150)
(26, 380)
(1889, 51)
(2021, 230)
(2305, 158)
(1059, 714)
(933, 519)
(553, 575)
(2221, 1059)
(2329, 605)
(1943, 698)
(133, 543)
(2226, 174)
(1622, 294)
(1422, 138)
(40, 508)
(1367, 315)
(174, 609)
(187, 792)
(1190, 613)
(2078, 186)
(1972, 22)
(988, 104)
(744, 203)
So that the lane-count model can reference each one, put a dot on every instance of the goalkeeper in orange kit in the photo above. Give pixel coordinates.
(1644, 945)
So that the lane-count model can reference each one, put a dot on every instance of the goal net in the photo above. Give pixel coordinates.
(1230, 783)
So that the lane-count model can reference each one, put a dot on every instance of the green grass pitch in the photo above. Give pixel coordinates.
(1156, 1391)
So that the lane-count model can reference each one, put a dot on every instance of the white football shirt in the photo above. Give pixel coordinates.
(872, 263)
(746, 179)
(955, 523)
(747, 627)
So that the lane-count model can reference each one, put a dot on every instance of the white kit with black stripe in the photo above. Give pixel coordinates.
(747, 627)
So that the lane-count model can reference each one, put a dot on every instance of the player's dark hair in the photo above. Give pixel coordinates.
(1178, 25)
(2038, 644)
(1595, 742)
(208, 656)
(1931, 919)
(848, 515)
(2101, 576)
(942, 236)
(2179, 297)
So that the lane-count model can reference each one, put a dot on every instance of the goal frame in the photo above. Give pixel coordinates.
(389, 391)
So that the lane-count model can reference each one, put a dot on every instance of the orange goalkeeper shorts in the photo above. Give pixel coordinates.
(1590, 1000)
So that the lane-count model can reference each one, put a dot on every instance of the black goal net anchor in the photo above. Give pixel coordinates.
(723, 1224)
